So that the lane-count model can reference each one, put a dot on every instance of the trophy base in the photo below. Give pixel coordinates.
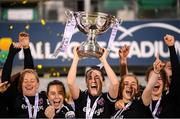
(90, 54)
(90, 48)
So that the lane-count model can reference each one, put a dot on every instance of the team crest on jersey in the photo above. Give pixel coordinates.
(40, 101)
(101, 101)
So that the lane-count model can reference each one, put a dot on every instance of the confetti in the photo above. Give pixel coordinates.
(24, 1)
(64, 69)
(27, 27)
(39, 66)
(58, 74)
(11, 27)
(43, 22)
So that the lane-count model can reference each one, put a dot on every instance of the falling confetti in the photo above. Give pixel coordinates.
(27, 27)
(43, 22)
(39, 66)
(11, 27)
(64, 69)
(54, 74)
(58, 74)
(24, 1)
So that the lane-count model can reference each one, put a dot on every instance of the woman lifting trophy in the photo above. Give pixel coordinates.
(92, 24)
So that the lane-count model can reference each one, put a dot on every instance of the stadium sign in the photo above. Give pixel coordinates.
(145, 39)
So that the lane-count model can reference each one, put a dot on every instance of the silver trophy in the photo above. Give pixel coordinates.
(92, 24)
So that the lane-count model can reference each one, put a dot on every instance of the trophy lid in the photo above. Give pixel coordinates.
(97, 21)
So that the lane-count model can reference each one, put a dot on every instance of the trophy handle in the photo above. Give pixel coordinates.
(115, 21)
(120, 21)
(69, 13)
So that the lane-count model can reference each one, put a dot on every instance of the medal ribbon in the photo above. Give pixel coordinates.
(30, 107)
(122, 110)
(89, 111)
(112, 37)
(155, 109)
(57, 111)
(113, 34)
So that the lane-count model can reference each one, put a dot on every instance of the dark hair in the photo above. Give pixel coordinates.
(60, 84)
(162, 74)
(121, 85)
(21, 79)
(98, 69)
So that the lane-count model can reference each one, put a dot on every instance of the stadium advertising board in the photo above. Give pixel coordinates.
(145, 39)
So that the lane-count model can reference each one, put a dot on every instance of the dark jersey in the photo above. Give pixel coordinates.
(3, 106)
(170, 102)
(20, 107)
(10, 95)
(136, 109)
(65, 112)
(156, 107)
(104, 109)
(168, 107)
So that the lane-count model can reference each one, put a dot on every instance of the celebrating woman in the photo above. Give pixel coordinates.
(130, 103)
(24, 99)
(58, 107)
(167, 104)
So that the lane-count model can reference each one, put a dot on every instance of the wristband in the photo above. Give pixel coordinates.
(156, 72)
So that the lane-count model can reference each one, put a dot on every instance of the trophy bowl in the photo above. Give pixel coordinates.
(92, 24)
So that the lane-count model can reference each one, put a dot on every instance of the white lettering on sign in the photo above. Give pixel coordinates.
(143, 49)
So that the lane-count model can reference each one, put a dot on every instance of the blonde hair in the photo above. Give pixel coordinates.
(21, 79)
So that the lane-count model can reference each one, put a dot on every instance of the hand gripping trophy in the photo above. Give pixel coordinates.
(92, 24)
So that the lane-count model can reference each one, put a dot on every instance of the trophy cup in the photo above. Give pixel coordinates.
(92, 24)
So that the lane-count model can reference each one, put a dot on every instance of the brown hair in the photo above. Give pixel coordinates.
(60, 84)
(98, 69)
(162, 74)
(121, 85)
(21, 79)
(56, 82)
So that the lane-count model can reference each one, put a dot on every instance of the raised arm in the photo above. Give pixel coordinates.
(28, 60)
(114, 83)
(152, 79)
(7, 67)
(73, 88)
(174, 88)
(123, 53)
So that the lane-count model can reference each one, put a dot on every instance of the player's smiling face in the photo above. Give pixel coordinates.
(94, 82)
(30, 85)
(56, 96)
(158, 87)
(130, 88)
